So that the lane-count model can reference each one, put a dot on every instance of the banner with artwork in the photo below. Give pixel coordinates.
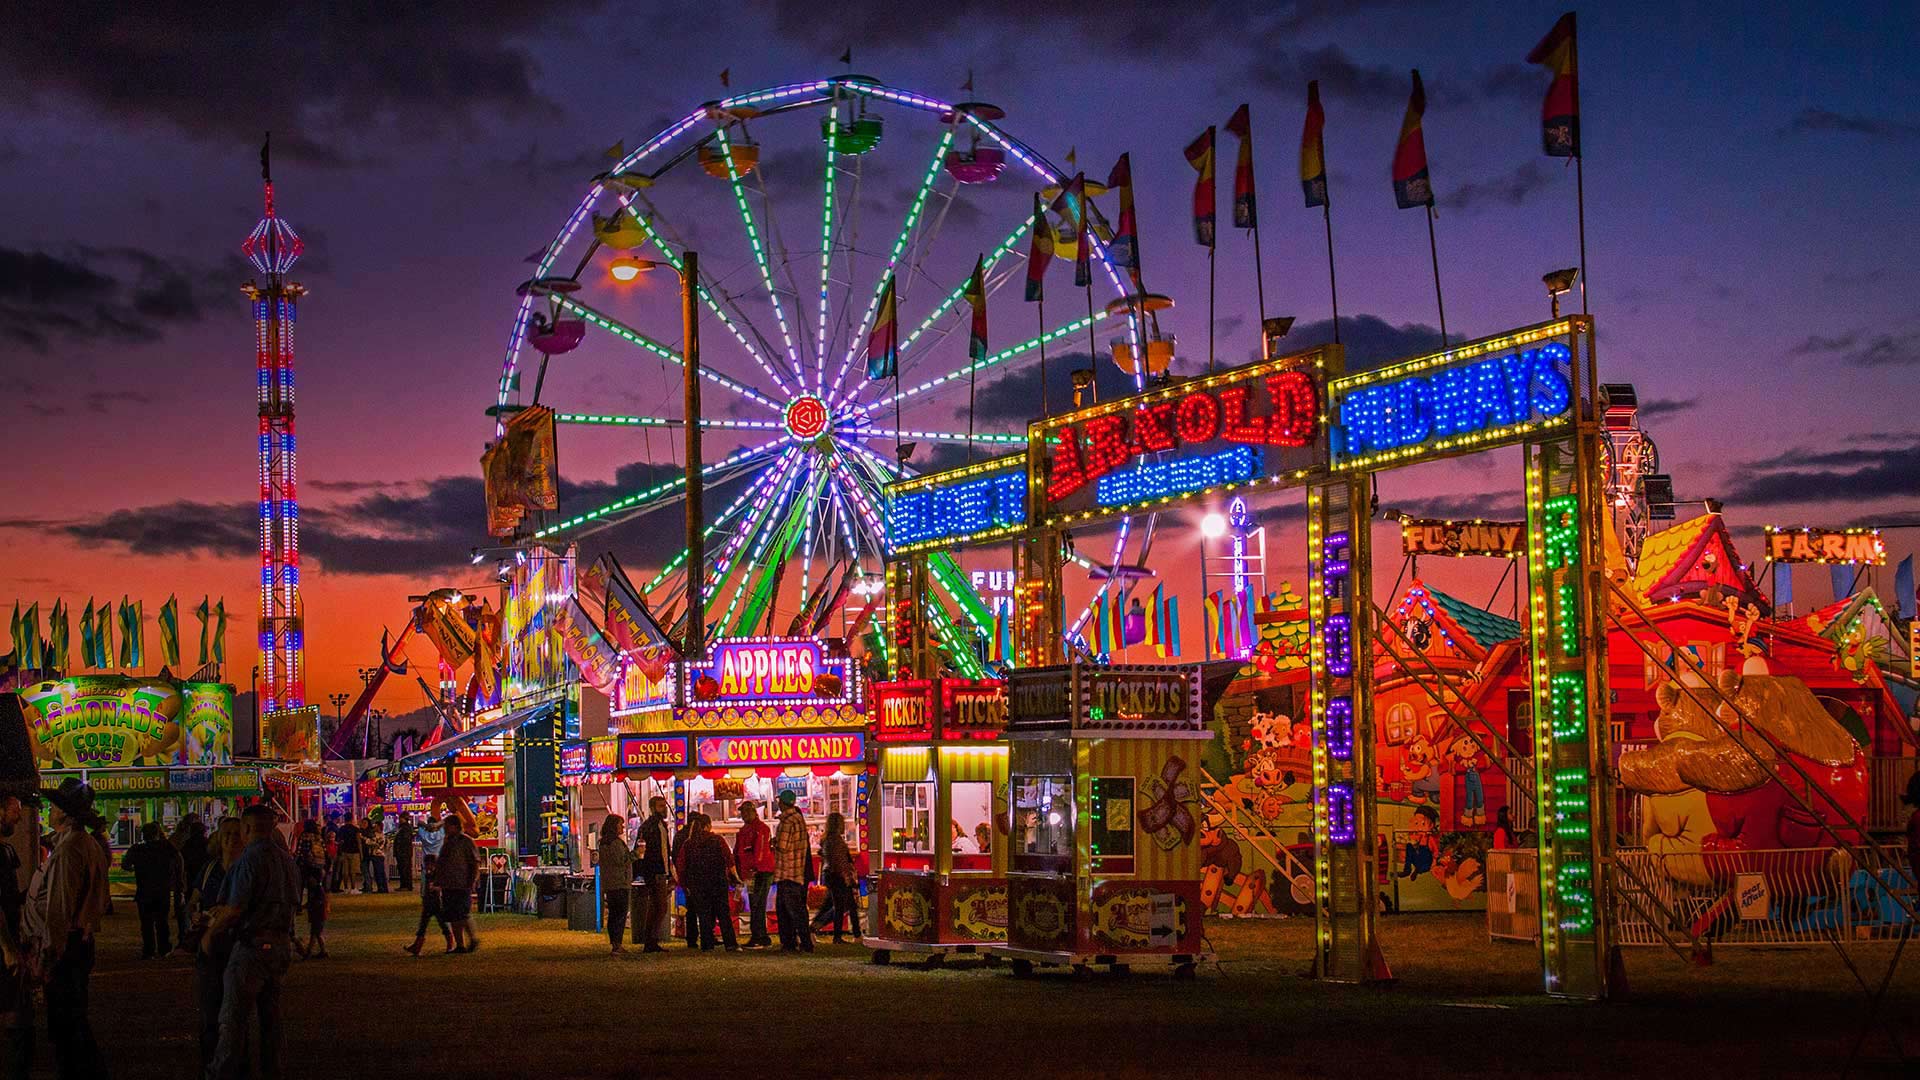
(104, 721)
(522, 470)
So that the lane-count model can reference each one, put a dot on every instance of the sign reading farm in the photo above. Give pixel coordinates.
(106, 721)
(1849, 547)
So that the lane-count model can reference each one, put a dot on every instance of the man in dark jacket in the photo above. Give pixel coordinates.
(403, 851)
(257, 900)
(656, 876)
(456, 871)
(158, 874)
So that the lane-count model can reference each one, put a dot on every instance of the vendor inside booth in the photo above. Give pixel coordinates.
(939, 856)
(1104, 865)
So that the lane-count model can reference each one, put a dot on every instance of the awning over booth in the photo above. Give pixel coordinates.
(305, 775)
(448, 747)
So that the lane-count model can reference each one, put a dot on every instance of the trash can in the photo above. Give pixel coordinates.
(583, 903)
(550, 895)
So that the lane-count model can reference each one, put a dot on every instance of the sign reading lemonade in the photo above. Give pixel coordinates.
(106, 721)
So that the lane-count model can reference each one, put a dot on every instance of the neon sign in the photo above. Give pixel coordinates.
(768, 670)
(1849, 547)
(1479, 394)
(1256, 424)
(652, 752)
(962, 504)
(821, 748)
(1425, 536)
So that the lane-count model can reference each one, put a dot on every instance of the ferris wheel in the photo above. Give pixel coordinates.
(815, 209)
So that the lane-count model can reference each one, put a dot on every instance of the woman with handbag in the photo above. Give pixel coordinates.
(839, 875)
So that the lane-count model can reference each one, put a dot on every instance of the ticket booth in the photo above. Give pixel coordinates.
(939, 851)
(1104, 856)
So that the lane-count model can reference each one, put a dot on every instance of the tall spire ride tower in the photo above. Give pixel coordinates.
(272, 248)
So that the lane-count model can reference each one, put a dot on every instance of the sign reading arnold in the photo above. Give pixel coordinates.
(104, 721)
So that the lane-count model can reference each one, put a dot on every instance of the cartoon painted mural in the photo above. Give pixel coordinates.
(1707, 789)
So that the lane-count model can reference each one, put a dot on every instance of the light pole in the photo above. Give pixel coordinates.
(339, 701)
(626, 268)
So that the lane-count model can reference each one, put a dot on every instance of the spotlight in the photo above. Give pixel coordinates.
(1271, 331)
(1559, 283)
(1213, 526)
(477, 557)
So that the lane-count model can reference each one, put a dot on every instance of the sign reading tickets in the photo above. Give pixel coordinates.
(968, 504)
(1427, 536)
(1850, 547)
(1258, 424)
(1473, 396)
(1141, 696)
(903, 710)
(1040, 697)
(811, 748)
(95, 721)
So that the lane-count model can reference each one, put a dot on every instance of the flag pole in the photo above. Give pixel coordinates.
(1333, 284)
(1211, 248)
(1580, 213)
(1433, 248)
(1259, 283)
(1041, 306)
(1093, 349)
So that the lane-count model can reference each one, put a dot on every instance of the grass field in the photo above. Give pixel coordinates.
(539, 1001)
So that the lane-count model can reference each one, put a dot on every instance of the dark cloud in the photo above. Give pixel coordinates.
(320, 74)
(1491, 506)
(1511, 188)
(1816, 119)
(122, 295)
(386, 528)
(1655, 408)
(538, 168)
(1369, 340)
(1280, 69)
(1857, 473)
(1860, 348)
(1012, 399)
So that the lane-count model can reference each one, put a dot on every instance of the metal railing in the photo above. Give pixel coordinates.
(1788, 896)
(1252, 832)
(1885, 810)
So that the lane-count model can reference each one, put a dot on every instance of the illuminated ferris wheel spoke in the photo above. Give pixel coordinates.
(946, 574)
(658, 238)
(739, 503)
(995, 438)
(722, 566)
(991, 360)
(821, 340)
(629, 334)
(636, 500)
(893, 260)
(774, 523)
(618, 420)
(953, 296)
(760, 257)
(958, 648)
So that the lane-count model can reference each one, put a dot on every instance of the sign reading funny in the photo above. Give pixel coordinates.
(813, 748)
(1427, 536)
(1474, 396)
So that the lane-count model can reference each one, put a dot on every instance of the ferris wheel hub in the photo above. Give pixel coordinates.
(806, 417)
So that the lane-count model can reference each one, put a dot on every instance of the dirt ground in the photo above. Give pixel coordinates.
(539, 1001)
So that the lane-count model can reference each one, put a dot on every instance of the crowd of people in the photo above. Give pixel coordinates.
(780, 863)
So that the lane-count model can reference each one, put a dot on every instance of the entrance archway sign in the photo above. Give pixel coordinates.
(1301, 421)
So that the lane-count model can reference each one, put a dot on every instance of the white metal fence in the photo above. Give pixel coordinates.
(1784, 897)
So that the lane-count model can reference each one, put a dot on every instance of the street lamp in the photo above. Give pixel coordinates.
(1559, 283)
(626, 268)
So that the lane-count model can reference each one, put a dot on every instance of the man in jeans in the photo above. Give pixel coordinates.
(790, 872)
(64, 907)
(257, 901)
(655, 895)
(753, 859)
(348, 838)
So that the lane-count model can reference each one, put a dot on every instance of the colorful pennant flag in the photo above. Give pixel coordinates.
(202, 613)
(1843, 577)
(29, 651)
(977, 299)
(1076, 195)
(1313, 149)
(18, 651)
(59, 632)
(103, 636)
(170, 632)
(1904, 600)
(1559, 53)
(1200, 156)
(1125, 249)
(220, 632)
(883, 344)
(1244, 214)
(1039, 253)
(1411, 185)
(86, 636)
(126, 633)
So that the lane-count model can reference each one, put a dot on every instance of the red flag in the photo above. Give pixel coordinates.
(1125, 249)
(1244, 216)
(1039, 252)
(1200, 156)
(1411, 185)
(1560, 111)
(1313, 150)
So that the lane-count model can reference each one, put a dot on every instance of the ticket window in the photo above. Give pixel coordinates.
(971, 826)
(906, 825)
(1043, 823)
(1110, 819)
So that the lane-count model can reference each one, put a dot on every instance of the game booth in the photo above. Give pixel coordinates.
(1104, 866)
(939, 859)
